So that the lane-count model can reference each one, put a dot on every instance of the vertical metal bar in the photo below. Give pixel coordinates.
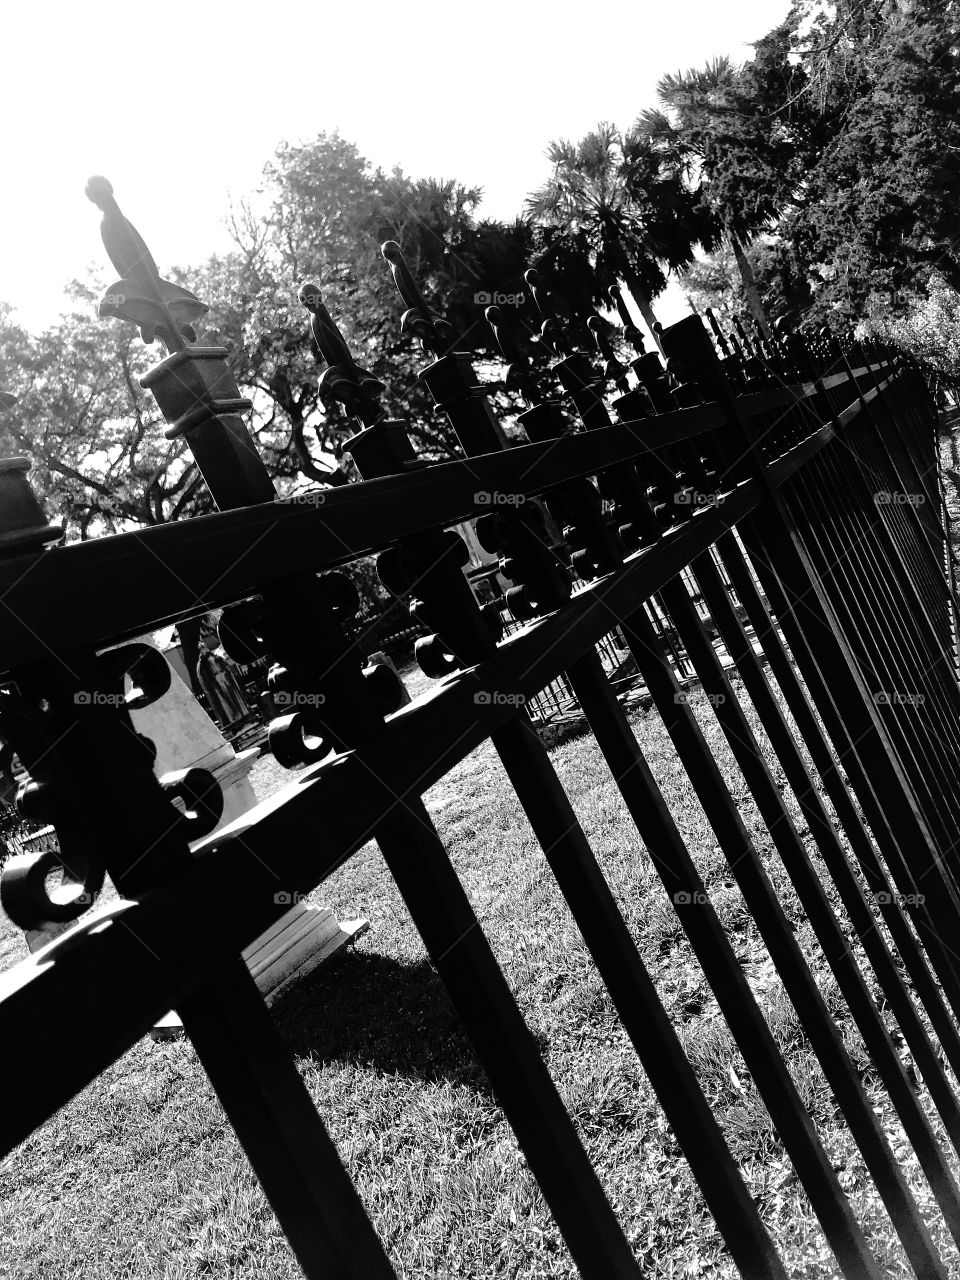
(827, 767)
(765, 908)
(831, 938)
(680, 878)
(621, 967)
(280, 1130)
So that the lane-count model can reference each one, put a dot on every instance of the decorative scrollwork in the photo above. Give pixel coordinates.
(199, 793)
(53, 886)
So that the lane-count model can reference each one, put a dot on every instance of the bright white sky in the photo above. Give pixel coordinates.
(180, 106)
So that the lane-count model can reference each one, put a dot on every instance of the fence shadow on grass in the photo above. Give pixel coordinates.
(372, 1011)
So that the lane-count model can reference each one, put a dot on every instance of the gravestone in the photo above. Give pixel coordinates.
(186, 737)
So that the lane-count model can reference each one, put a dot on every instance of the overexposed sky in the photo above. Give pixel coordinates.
(181, 105)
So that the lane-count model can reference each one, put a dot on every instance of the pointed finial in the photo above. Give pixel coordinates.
(141, 295)
(612, 367)
(357, 390)
(519, 376)
(744, 336)
(551, 330)
(504, 338)
(717, 332)
(630, 331)
(434, 332)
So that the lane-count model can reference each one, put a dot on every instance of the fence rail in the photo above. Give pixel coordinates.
(794, 491)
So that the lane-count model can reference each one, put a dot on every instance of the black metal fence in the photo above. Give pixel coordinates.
(773, 513)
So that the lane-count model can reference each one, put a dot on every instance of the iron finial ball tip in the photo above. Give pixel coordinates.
(310, 295)
(532, 276)
(493, 314)
(99, 190)
(391, 250)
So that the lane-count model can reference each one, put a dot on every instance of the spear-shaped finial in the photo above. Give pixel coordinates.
(436, 334)
(613, 369)
(141, 295)
(718, 333)
(519, 375)
(744, 336)
(551, 330)
(343, 379)
(630, 331)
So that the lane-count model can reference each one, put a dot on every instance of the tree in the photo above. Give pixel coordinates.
(738, 159)
(98, 441)
(326, 213)
(607, 194)
(95, 438)
(878, 213)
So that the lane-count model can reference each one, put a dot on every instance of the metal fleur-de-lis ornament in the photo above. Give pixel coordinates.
(193, 386)
(381, 446)
(630, 331)
(158, 306)
(436, 335)
(613, 370)
(552, 333)
(358, 391)
(519, 376)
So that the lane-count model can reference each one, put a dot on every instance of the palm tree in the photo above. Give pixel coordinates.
(725, 153)
(595, 197)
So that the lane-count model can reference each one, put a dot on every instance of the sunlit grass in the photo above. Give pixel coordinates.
(140, 1176)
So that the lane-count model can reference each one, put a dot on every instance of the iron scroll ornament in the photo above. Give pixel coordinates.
(56, 886)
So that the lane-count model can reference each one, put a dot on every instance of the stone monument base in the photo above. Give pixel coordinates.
(290, 949)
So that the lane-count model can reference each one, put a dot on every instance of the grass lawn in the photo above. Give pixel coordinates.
(140, 1176)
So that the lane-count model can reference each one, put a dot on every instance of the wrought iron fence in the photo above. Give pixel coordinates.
(771, 512)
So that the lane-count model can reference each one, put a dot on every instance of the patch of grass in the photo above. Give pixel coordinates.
(141, 1176)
